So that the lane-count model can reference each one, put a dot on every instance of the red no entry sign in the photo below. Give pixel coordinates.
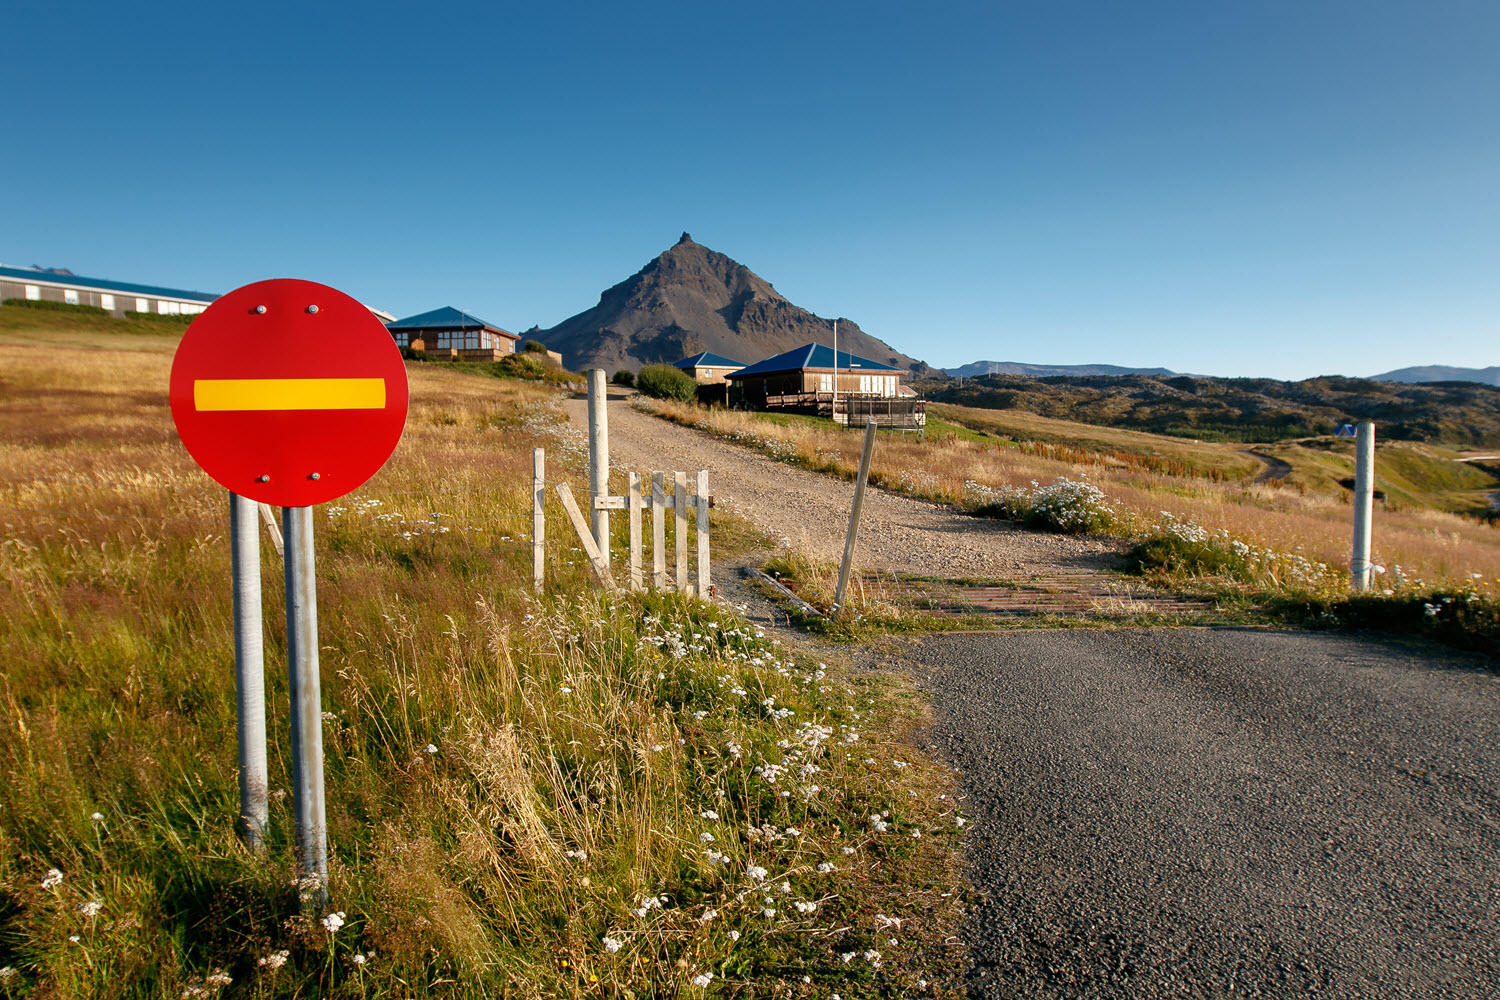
(289, 392)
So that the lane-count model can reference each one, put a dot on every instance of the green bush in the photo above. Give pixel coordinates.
(519, 366)
(534, 347)
(58, 306)
(624, 377)
(667, 382)
(156, 317)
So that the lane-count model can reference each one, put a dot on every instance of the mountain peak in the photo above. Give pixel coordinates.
(690, 299)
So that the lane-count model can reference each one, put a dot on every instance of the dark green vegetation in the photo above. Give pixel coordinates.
(1246, 410)
(667, 382)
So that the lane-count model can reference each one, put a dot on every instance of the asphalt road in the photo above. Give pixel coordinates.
(1224, 812)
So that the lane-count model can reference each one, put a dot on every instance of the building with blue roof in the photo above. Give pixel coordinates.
(35, 284)
(844, 386)
(709, 367)
(454, 334)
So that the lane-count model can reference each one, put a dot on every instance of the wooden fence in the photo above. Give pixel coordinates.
(666, 501)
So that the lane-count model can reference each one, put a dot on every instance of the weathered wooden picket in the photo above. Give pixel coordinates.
(665, 502)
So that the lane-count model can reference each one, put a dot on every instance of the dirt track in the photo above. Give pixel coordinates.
(811, 510)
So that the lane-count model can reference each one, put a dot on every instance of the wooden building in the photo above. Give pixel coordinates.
(708, 367)
(34, 284)
(453, 334)
(804, 380)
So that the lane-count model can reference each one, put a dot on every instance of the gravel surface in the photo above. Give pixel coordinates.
(810, 510)
(1224, 812)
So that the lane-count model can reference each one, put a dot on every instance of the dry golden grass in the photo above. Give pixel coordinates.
(1431, 545)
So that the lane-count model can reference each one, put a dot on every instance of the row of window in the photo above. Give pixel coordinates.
(461, 340)
(106, 301)
(869, 385)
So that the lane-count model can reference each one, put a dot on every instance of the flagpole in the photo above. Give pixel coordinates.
(836, 372)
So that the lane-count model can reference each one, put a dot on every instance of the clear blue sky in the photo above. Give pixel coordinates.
(1283, 188)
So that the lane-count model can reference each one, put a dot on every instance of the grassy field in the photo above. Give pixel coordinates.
(555, 795)
(1433, 546)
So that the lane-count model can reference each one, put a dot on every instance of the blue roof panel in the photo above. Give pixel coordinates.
(446, 318)
(26, 274)
(708, 358)
(812, 356)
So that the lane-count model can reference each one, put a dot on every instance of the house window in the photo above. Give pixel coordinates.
(402, 339)
(33, 292)
(142, 305)
(107, 302)
(825, 383)
(708, 373)
(70, 296)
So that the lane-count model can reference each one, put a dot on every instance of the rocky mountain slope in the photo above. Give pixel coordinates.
(692, 299)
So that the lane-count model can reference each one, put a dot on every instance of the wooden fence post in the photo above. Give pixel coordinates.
(680, 529)
(658, 532)
(635, 531)
(273, 529)
(599, 458)
(538, 518)
(705, 585)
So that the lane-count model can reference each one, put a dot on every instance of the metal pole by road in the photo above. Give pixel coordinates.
(599, 458)
(1364, 496)
(307, 704)
(859, 501)
(249, 669)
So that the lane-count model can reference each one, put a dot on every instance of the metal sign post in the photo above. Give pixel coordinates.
(1364, 496)
(291, 393)
(249, 669)
(307, 702)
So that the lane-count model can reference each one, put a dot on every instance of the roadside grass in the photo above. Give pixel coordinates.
(1294, 543)
(528, 795)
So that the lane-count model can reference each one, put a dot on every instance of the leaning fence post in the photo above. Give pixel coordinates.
(705, 586)
(859, 501)
(599, 458)
(249, 670)
(538, 517)
(1364, 495)
(269, 517)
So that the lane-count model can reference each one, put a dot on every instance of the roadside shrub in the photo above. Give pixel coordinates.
(624, 377)
(57, 306)
(519, 366)
(534, 347)
(1186, 549)
(667, 382)
(154, 317)
(1067, 506)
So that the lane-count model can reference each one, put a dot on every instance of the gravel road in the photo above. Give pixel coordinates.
(1224, 812)
(810, 510)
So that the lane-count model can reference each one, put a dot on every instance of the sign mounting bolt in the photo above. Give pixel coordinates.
(312, 309)
(315, 475)
(263, 478)
(260, 310)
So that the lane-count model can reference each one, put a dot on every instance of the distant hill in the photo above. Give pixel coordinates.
(1017, 368)
(1441, 373)
(691, 299)
(1245, 409)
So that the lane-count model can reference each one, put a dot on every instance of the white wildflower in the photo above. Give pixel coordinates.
(703, 979)
(612, 945)
(274, 961)
(825, 867)
(333, 921)
(54, 878)
(432, 748)
(359, 959)
(705, 837)
(708, 814)
(97, 817)
(734, 935)
(91, 908)
(707, 916)
(768, 912)
(756, 873)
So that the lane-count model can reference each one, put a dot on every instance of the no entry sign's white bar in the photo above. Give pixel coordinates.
(289, 394)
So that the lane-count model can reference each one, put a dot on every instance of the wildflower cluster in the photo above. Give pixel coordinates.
(1067, 506)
